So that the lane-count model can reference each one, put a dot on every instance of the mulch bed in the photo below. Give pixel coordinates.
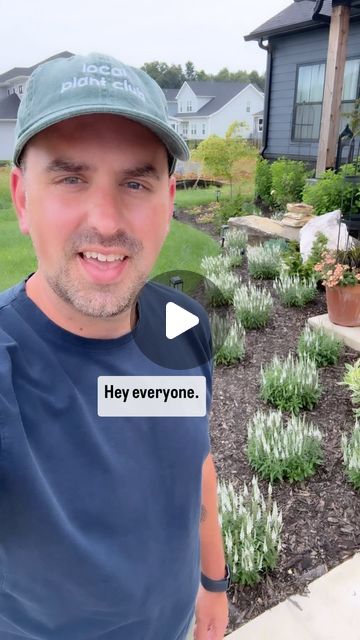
(322, 514)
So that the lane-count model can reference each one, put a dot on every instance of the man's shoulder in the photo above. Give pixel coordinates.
(8, 296)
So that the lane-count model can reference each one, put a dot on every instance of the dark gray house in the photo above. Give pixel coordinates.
(297, 43)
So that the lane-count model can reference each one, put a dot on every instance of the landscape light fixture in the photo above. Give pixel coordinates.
(217, 193)
(177, 283)
(223, 231)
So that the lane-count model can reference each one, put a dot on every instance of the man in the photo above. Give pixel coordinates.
(100, 517)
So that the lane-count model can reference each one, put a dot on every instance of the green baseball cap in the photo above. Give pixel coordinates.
(67, 87)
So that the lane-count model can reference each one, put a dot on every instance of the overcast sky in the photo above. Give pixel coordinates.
(208, 32)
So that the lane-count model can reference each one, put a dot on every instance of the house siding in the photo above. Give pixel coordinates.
(236, 110)
(7, 136)
(289, 52)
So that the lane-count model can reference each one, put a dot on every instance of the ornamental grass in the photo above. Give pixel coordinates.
(252, 306)
(228, 339)
(321, 347)
(351, 455)
(294, 291)
(264, 262)
(291, 384)
(277, 452)
(251, 530)
(235, 245)
(352, 381)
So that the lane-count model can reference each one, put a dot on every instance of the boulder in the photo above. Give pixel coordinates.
(328, 224)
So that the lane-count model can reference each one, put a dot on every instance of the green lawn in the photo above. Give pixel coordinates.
(183, 249)
(189, 198)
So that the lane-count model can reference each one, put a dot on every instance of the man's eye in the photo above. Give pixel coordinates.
(135, 186)
(71, 180)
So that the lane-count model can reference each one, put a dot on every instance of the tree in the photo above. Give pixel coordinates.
(166, 76)
(218, 155)
(190, 72)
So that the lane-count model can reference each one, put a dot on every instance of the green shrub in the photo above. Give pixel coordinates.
(351, 455)
(263, 181)
(251, 529)
(279, 453)
(252, 306)
(321, 347)
(332, 192)
(287, 181)
(229, 209)
(293, 264)
(228, 340)
(291, 384)
(264, 262)
(294, 291)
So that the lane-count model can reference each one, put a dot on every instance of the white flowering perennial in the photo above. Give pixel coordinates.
(215, 264)
(252, 306)
(278, 453)
(264, 261)
(235, 245)
(251, 530)
(220, 287)
(294, 291)
(291, 384)
(322, 347)
(228, 340)
(351, 455)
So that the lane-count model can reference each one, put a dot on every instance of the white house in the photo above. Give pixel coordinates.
(203, 108)
(12, 86)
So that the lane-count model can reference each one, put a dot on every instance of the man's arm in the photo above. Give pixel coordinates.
(211, 608)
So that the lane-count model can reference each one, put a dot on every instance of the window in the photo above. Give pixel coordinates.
(308, 105)
(309, 97)
(188, 105)
(180, 107)
(248, 107)
(204, 128)
(185, 128)
(193, 128)
(260, 125)
(9, 92)
(20, 88)
(351, 90)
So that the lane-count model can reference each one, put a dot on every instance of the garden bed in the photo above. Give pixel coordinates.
(321, 515)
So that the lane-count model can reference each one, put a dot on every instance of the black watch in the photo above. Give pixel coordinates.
(217, 585)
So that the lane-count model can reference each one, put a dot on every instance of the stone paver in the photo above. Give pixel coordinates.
(350, 335)
(264, 227)
(330, 611)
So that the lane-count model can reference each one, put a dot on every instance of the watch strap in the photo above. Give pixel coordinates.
(217, 586)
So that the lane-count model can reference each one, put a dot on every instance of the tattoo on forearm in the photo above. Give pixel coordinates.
(203, 514)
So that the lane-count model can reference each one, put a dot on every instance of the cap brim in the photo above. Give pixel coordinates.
(174, 143)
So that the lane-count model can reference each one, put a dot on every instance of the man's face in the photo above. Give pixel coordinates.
(96, 199)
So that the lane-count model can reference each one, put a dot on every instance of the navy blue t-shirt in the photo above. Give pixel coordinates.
(99, 517)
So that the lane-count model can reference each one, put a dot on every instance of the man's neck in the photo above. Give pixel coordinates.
(70, 319)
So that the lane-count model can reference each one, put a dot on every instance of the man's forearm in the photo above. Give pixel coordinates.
(212, 550)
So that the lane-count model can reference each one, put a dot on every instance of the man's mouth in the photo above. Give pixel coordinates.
(103, 268)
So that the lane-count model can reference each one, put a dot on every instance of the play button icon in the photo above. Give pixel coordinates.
(178, 320)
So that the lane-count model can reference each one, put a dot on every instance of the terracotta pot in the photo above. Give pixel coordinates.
(343, 305)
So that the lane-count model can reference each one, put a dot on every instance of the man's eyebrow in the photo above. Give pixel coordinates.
(59, 165)
(142, 171)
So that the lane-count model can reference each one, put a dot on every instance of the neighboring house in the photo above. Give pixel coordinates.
(297, 40)
(258, 125)
(12, 87)
(202, 108)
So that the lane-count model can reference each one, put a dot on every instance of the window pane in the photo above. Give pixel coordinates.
(351, 79)
(307, 122)
(310, 83)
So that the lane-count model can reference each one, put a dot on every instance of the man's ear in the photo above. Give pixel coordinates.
(172, 194)
(18, 194)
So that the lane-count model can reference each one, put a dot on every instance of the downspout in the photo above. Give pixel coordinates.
(269, 65)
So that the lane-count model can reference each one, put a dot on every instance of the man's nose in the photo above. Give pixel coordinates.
(105, 210)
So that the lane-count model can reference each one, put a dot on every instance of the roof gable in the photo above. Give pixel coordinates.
(9, 107)
(219, 94)
(27, 71)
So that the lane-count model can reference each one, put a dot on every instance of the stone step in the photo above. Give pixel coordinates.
(350, 335)
(264, 228)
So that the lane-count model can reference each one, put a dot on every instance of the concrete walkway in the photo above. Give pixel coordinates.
(330, 611)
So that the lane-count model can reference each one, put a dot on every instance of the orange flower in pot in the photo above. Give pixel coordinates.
(340, 273)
